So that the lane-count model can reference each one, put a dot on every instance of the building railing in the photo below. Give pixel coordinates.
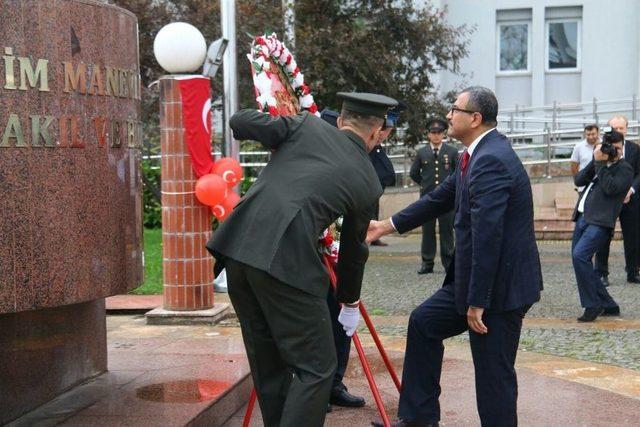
(558, 114)
(547, 142)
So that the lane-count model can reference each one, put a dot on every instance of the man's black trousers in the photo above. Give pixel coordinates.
(494, 356)
(629, 222)
(289, 343)
(340, 338)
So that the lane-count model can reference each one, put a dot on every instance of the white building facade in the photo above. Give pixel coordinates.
(532, 53)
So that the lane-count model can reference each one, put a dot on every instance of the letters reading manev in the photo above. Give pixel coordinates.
(23, 73)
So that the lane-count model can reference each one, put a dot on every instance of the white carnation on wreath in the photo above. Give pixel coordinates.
(264, 49)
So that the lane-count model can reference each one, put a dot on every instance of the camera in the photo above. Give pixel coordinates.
(609, 137)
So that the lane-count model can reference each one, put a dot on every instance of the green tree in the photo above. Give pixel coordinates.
(252, 17)
(384, 46)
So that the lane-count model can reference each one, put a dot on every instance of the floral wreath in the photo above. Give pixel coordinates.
(264, 50)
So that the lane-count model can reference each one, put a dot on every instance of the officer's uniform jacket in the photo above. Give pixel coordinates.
(316, 174)
(429, 172)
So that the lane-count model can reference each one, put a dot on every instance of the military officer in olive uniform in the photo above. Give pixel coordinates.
(340, 395)
(433, 164)
(269, 246)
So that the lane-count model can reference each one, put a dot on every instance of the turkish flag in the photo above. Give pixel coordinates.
(196, 118)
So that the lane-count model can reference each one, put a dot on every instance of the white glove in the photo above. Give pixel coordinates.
(349, 318)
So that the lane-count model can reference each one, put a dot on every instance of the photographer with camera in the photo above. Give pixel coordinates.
(607, 180)
(629, 221)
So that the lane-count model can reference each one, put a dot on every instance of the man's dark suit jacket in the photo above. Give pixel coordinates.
(316, 174)
(496, 264)
(383, 166)
(632, 156)
(610, 186)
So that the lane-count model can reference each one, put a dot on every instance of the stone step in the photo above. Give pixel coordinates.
(158, 376)
(560, 229)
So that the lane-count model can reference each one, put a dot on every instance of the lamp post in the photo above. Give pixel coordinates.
(180, 49)
(228, 17)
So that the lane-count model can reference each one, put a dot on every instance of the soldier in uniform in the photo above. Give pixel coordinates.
(269, 247)
(433, 164)
(340, 395)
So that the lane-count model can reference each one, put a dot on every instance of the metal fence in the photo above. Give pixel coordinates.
(543, 135)
(559, 115)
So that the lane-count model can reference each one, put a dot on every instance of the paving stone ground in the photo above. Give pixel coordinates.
(392, 288)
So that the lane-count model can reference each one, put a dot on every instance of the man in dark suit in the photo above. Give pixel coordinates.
(495, 276)
(606, 180)
(433, 164)
(629, 214)
(269, 245)
(380, 160)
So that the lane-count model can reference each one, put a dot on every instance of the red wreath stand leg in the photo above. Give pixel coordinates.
(361, 355)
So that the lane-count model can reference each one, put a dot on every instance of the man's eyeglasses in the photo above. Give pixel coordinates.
(453, 109)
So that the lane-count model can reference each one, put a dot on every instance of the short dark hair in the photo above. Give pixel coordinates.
(483, 101)
(615, 137)
(590, 127)
(360, 121)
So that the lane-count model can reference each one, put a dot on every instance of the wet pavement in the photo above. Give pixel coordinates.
(570, 373)
(172, 375)
(553, 391)
(158, 376)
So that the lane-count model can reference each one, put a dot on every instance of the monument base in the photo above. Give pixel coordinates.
(45, 352)
(160, 316)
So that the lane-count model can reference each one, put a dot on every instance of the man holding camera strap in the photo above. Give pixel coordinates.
(607, 180)
(629, 214)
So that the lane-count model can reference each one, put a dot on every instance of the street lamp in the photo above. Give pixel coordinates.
(180, 48)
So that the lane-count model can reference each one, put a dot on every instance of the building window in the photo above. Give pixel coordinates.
(513, 47)
(563, 45)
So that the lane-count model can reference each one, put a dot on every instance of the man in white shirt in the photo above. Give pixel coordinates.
(583, 150)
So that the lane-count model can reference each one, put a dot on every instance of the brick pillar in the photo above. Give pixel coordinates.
(186, 224)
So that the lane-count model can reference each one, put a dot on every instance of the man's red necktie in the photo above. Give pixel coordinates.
(465, 162)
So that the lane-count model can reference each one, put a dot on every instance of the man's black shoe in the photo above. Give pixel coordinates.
(341, 397)
(402, 423)
(611, 311)
(605, 281)
(633, 279)
(425, 269)
(590, 314)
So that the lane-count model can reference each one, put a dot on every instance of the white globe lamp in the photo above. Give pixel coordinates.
(179, 48)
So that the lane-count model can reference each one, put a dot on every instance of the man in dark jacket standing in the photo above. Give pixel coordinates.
(495, 276)
(381, 162)
(433, 164)
(269, 246)
(607, 180)
(629, 221)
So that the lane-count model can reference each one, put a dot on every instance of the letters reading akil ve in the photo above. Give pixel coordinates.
(23, 73)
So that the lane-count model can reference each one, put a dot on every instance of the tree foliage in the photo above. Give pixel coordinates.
(384, 46)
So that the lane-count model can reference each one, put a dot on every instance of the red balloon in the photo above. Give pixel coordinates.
(224, 209)
(229, 169)
(211, 189)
